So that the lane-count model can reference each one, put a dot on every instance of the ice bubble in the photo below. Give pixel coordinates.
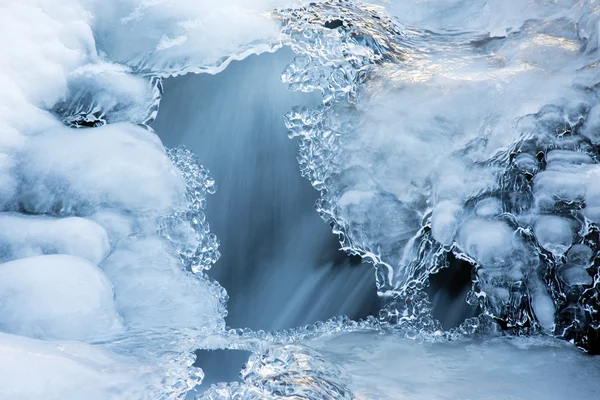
(489, 207)
(576, 276)
(544, 308)
(580, 255)
(553, 233)
(489, 242)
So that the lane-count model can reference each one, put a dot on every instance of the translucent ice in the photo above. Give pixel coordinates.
(153, 291)
(444, 222)
(178, 36)
(455, 103)
(555, 234)
(383, 367)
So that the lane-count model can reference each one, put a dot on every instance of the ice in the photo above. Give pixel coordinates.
(490, 243)
(68, 370)
(444, 221)
(555, 234)
(592, 125)
(56, 297)
(544, 308)
(25, 236)
(70, 197)
(152, 290)
(448, 131)
(383, 367)
(576, 276)
(453, 103)
(104, 92)
(178, 36)
(116, 165)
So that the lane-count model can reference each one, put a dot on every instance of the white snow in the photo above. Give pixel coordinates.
(118, 165)
(56, 297)
(36, 369)
(25, 236)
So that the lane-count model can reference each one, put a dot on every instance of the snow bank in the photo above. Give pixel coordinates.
(56, 297)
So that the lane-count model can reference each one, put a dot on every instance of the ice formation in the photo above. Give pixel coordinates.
(447, 131)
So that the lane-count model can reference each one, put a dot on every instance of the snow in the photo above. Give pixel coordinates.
(118, 165)
(56, 297)
(432, 132)
(32, 369)
(25, 236)
(513, 369)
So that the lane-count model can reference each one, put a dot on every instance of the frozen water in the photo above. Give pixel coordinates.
(382, 367)
(68, 370)
(56, 297)
(496, 368)
(145, 276)
(455, 103)
(449, 132)
(178, 36)
(120, 165)
(555, 234)
(26, 236)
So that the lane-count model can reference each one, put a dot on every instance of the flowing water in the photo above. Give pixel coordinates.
(163, 238)
(280, 263)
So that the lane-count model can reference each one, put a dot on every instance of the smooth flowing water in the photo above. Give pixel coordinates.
(280, 263)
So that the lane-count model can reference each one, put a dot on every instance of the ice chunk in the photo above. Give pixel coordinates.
(489, 207)
(118, 225)
(543, 307)
(184, 36)
(120, 165)
(56, 297)
(558, 157)
(527, 163)
(553, 186)
(576, 276)
(153, 291)
(553, 233)
(592, 125)
(444, 221)
(24, 236)
(574, 272)
(489, 242)
(107, 93)
(32, 369)
(580, 255)
(592, 198)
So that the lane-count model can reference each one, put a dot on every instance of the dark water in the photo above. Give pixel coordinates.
(280, 262)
